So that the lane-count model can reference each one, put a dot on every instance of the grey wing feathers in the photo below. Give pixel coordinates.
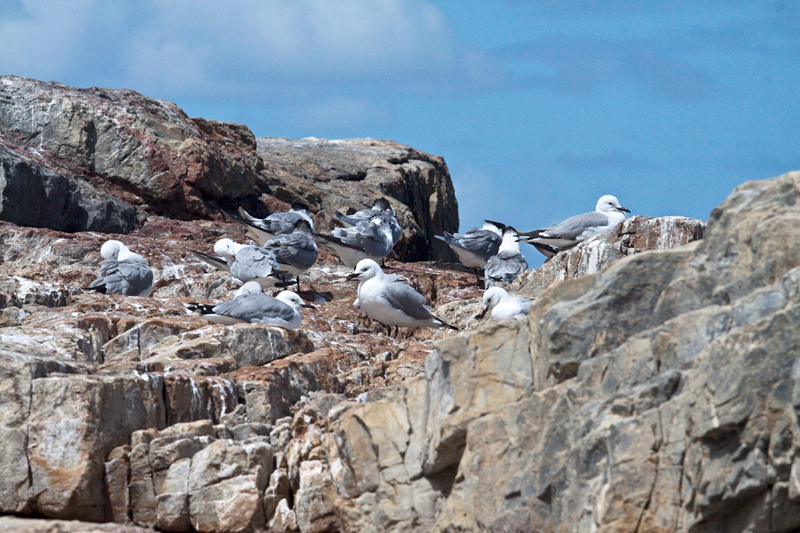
(252, 307)
(253, 262)
(505, 267)
(296, 249)
(404, 297)
(351, 220)
(130, 278)
(275, 224)
(484, 243)
(572, 227)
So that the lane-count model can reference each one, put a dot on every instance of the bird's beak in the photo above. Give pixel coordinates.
(482, 313)
(307, 305)
(352, 276)
(623, 209)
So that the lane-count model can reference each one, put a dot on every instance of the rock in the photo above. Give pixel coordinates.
(109, 143)
(348, 175)
(635, 234)
(13, 524)
(653, 395)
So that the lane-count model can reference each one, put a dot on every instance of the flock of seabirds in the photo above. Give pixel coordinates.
(289, 248)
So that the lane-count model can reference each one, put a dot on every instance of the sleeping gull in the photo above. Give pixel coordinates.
(475, 247)
(275, 224)
(381, 208)
(367, 239)
(387, 299)
(502, 305)
(509, 261)
(256, 308)
(245, 262)
(552, 239)
(122, 272)
(297, 251)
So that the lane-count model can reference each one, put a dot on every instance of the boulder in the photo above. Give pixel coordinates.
(657, 394)
(350, 174)
(97, 145)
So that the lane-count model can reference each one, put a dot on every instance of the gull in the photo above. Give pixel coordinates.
(509, 261)
(255, 307)
(389, 300)
(245, 262)
(381, 208)
(275, 224)
(552, 239)
(297, 251)
(475, 247)
(367, 239)
(502, 305)
(122, 272)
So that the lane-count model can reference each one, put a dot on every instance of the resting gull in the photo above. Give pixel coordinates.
(122, 272)
(367, 239)
(297, 251)
(275, 224)
(245, 262)
(381, 208)
(388, 299)
(503, 305)
(552, 239)
(257, 308)
(509, 261)
(475, 247)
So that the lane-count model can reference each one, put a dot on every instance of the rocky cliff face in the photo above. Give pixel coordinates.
(104, 159)
(654, 386)
(659, 394)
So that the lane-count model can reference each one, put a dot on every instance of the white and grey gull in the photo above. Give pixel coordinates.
(297, 251)
(368, 239)
(566, 234)
(475, 247)
(122, 272)
(389, 300)
(509, 261)
(255, 307)
(503, 305)
(281, 223)
(245, 262)
(381, 208)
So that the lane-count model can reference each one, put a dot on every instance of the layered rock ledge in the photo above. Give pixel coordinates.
(105, 159)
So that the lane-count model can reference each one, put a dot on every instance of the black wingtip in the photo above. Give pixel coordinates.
(300, 206)
(499, 225)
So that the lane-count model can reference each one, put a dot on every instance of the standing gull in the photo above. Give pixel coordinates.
(503, 305)
(245, 262)
(381, 208)
(552, 239)
(297, 251)
(256, 308)
(275, 224)
(475, 247)
(367, 239)
(122, 272)
(509, 261)
(387, 299)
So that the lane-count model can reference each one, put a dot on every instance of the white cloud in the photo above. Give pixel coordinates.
(245, 45)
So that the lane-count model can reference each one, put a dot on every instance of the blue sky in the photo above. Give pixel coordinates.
(539, 107)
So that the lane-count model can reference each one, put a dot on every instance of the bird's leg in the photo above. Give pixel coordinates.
(477, 278)
(298, 284)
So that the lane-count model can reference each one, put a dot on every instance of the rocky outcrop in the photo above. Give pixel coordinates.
(105, 159)
(655, 395)
(111, 150)
(635, 234)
